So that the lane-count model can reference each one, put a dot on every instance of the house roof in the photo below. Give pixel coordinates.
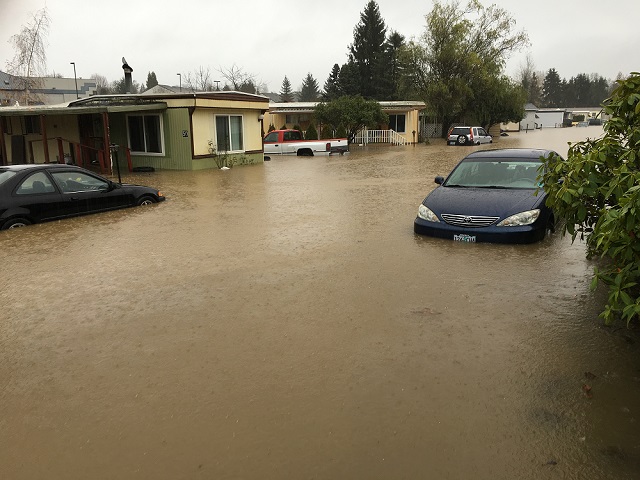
(298, 107)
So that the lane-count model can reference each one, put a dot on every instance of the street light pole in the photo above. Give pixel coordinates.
(180, 77)
(75, 78)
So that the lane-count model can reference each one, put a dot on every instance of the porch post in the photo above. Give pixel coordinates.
(107, 141)
(3, 147)
(45, 140)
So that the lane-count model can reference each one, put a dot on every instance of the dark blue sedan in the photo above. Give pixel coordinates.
(490, 196)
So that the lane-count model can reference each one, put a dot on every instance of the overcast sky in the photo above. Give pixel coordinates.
(274, 39)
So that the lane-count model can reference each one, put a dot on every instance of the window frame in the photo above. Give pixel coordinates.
(394, 125)
(144, 134)
(228, 116)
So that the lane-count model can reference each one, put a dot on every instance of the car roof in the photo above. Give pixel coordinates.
(32, 166)
(510, 153)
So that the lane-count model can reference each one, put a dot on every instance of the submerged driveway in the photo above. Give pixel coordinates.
(283, 321)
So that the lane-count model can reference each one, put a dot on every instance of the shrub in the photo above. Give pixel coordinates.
(311, 133)
(597, 192)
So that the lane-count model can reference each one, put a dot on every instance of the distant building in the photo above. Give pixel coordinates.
(49, 90)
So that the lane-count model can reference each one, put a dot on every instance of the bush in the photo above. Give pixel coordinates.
(311, 133)
(597, 192)
(327, 131)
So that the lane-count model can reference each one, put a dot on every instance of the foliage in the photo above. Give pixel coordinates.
(272, 127)
(531, 82)
(310, 91)
(29, 63)
(311, 133)
(152, 81)
(332, 86)
(370, 55)
(352, 113)
(580, 91)
(222, 159)
(327, 131)
(502, 100)
(286, 94)
(597, 191)
(461, 52)
(120, 86)
(102, 84)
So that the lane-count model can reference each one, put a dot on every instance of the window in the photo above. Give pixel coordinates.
(397, 123)
(271, 137)
(72, 182)
(31, 124)
(145, 134)
(229, 135)
(36, 183)
(292, 135)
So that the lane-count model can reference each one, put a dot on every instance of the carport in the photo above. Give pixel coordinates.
(77, 132)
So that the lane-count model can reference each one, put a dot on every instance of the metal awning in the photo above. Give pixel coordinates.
(66, 109)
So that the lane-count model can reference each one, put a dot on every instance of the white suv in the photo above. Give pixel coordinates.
(468, 136)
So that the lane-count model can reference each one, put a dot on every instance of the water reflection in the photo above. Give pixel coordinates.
(283, 321)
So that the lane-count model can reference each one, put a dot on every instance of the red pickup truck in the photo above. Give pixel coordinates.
(292, 142)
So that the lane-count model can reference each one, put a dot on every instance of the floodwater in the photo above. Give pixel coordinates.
(282, 321)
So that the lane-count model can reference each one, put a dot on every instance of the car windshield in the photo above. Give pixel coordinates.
(460, 131)
(495, 174)
(5, 175)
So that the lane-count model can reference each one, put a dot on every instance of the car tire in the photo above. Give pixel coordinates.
(15, 223)
(462, 140)
(146, 200)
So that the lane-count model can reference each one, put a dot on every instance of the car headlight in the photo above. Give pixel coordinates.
(425, 214)
(522, 218)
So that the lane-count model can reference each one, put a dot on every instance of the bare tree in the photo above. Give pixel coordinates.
(236, 77)
(30, 61)
(102, 84)
(198, 80)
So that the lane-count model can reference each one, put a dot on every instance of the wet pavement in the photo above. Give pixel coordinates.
(283, 321)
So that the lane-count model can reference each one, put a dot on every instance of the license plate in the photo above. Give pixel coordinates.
(463, 237)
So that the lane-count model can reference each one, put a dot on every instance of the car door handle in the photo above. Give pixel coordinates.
(75, 198)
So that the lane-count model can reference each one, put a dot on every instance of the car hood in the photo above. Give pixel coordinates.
(483, 201)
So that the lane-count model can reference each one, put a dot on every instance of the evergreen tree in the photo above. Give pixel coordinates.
(370, 55)
(396, 70)
(311, 133)
(152, 81)
(309, 92)
(332, 85)
(286, 94)
(552, 91)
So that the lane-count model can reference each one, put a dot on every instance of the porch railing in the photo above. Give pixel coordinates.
(367, 136)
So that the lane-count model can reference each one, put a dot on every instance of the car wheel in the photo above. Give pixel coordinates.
(146, 200)
(462, 140)
(16, 223)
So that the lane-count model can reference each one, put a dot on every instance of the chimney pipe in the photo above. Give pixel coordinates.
(128, 82)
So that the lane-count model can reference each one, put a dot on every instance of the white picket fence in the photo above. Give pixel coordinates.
(366, 136)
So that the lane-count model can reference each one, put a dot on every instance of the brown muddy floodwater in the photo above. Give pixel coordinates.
(282, 321)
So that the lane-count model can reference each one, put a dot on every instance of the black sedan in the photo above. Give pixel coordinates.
(40, 192)
(490, 196)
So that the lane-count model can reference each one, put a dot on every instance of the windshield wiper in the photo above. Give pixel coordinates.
(500, 187)
(455, 185)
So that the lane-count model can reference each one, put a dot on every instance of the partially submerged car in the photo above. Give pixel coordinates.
(41, 192)
(490, 196)
(468, 136)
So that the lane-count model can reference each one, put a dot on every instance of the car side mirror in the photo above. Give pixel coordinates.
(112, 186)
(439, 180)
